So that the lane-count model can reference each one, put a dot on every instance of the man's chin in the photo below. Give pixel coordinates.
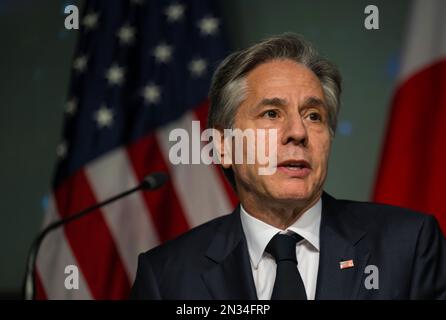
(293, 197)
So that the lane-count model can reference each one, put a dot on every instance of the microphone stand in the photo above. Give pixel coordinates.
(150, 182)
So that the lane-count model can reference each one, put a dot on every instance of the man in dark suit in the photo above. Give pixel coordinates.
(288, 239)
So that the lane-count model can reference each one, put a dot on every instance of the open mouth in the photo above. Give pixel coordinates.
(295, 164)
(295, 168)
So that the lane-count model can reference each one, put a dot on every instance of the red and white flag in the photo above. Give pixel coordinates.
(412, 172)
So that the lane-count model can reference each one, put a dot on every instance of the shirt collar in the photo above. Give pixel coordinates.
(258, 233)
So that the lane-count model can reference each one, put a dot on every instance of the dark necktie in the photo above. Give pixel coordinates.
(288, 284)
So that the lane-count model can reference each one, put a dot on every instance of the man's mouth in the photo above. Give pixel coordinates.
(297, 168)
(294, 164)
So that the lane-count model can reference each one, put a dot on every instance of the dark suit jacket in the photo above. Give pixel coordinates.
(212, 260)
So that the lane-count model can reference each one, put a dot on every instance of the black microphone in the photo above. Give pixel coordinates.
(151, 182)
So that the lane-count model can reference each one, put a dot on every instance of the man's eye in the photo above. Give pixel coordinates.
(270, 114)
(314, 116)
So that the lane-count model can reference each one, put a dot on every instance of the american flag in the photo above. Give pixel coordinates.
(346, 264)
(141, 68)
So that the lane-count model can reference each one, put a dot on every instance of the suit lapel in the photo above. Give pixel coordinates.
(231, 276)
(340, 240)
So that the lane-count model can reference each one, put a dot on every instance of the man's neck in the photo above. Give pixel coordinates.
(280, 214)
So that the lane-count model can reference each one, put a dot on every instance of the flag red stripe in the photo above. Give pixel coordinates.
(166, 211)
(39, 289)
(91, 240)
(412, 171)
(202, 113)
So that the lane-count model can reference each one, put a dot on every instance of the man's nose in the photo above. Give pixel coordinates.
(294, 131)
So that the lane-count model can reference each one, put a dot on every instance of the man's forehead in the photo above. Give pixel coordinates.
(280, 75)
(281, 67)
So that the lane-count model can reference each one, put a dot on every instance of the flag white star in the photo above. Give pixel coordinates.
(104, 117)
(71, 106)
(151, 93)
(163, 53)
(126, 34)
(175, 12)
(208, 25)
(198, 67)
(80, 64)
(61, 150)
(90, 21)
(115, 75)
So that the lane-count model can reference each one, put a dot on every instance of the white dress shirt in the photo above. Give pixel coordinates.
(258, 234)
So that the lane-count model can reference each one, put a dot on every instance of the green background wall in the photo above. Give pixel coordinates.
(35, 61)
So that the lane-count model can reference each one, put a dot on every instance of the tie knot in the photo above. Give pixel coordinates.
(283, 247)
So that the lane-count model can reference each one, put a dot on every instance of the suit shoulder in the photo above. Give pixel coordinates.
(193, 241)
(378, 213)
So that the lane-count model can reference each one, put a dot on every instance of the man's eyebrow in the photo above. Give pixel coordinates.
(276, 102)
(279, 102)
(313, 102)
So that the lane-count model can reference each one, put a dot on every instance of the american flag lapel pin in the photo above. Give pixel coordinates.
(346, 264)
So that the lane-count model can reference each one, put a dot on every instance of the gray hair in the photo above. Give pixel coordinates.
(229, 87)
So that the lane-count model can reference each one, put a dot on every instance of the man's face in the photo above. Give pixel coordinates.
(286, 96)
